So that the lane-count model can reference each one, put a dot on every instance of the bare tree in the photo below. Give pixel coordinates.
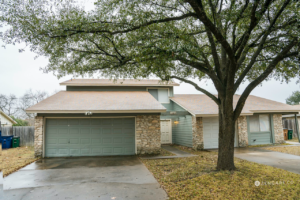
(29, 99)
(8, 104)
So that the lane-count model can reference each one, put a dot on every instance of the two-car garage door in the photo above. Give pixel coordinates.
(89, 137)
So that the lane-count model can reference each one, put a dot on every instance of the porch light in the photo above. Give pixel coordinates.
(176, 122)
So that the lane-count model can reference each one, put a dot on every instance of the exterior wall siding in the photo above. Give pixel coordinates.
(278, 128)
(4, 121)
(182, 132)
(148, 135)
(38, 136)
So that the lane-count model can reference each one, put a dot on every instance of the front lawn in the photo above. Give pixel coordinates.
(290, 150)
(269, 145)
(16, 158)
(196, 178)
(163, 152)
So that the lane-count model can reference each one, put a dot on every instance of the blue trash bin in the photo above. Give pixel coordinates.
(6, 141)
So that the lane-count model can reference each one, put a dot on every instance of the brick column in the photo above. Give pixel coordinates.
(197, 127)
(148, 135)
(242, 131)
(278, 128)
(38, 136)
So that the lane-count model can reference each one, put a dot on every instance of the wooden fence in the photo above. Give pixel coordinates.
(290, 124)
(26, 134)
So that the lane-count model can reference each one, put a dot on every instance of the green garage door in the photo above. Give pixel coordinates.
(89, 137)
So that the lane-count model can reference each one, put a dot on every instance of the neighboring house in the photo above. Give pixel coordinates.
(102, 117)
(6, 120)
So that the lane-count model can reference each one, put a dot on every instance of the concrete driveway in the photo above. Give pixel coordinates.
(275, 159)
(83, 178)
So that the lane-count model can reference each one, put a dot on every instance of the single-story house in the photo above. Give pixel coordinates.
(6, 120)
(96, 117)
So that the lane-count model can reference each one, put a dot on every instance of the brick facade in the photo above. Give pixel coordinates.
(148, 135)
(197, 127)
(242, 131)
(38, 136)
(278, 128)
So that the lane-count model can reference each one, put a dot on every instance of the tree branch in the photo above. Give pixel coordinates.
(262, 77)
(213, 97)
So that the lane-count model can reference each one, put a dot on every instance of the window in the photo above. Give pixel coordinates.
(161, 95)
(259, 123)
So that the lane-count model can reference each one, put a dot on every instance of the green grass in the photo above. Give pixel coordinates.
(196, 178)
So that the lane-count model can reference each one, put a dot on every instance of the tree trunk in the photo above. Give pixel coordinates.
(226, 136)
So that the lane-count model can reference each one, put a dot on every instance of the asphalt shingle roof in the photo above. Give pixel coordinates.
(98, 101)
(119, 82)
(200, 104)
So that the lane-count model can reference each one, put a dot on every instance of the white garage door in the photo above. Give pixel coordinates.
(211, 133)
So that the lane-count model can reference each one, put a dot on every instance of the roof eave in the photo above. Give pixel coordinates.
(8, 117)
(96, 111)
(97, 84)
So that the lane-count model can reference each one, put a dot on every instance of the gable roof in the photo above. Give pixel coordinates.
(118, 82)
(202, 105)
(7, 117)
(99, 102)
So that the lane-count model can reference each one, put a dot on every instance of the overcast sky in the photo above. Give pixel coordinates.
(20, 72)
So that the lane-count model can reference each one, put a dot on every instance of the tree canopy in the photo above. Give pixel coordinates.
(226, 41)
(294, 99)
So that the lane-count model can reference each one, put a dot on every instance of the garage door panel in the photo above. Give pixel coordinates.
(74, 152)
(85, 141)
(63, 122)
(107, 130)
(95, 131)
(107, 140)
(117, 140)
(127, 139)
(63, 152)
(90, 137)
(106, 121)
(96, 150)
(74, 132)
(117, 150)
(96, 122)
(74, 141)
(107, 150)
(52, 151)
(52, 141)
(129, 131)
(117, 121)
(211, 132)
(73, 122)
(117, 131)
(96, 141)
(129, 121)
(63, 141)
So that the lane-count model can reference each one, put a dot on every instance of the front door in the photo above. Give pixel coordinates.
(166, 131)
